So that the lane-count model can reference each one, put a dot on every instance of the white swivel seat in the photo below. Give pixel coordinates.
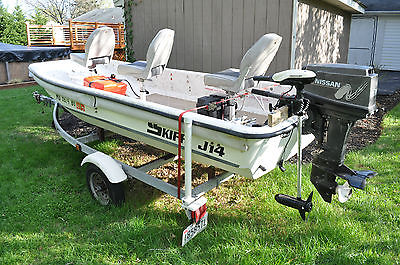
(255, 62)
(99, 48)
(157, 57)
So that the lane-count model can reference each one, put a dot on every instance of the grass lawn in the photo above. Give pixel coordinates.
(47, 215)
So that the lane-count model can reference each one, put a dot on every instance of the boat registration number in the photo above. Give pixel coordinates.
(192, 230)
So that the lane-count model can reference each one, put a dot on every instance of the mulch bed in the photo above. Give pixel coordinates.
(368, 130)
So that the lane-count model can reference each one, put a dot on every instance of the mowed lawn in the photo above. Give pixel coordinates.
(47, 215)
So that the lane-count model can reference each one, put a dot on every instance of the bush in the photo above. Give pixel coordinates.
(12, 26)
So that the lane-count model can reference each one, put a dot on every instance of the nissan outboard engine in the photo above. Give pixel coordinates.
(340, 95)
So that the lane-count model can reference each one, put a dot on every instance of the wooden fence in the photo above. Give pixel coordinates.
(74, 35)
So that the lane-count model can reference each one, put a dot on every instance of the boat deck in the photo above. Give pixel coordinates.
(187, 104)
(171, 101)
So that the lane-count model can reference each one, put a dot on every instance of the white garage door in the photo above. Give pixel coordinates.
(388, 43)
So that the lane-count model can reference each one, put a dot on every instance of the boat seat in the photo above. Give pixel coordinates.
(157, 57)
(255, 62)
(99, 48)
(226, 79)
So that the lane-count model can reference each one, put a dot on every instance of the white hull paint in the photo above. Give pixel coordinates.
(244, 150)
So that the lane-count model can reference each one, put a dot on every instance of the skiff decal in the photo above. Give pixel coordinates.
(212, 149)
(159, 131)
(163, 132)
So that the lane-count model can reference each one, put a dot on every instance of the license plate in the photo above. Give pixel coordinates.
(192, 230)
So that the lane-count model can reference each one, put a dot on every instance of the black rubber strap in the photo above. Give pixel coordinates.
(105, 79)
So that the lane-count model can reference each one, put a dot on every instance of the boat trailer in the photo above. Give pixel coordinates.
(105, 173)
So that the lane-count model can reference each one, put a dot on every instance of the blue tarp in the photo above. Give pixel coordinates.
(19, 53)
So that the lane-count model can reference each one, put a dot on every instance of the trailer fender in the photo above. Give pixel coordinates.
(111, 168)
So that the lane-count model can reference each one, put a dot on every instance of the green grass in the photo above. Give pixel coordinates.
(48, 217)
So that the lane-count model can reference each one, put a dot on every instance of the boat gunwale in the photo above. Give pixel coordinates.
(245, 135)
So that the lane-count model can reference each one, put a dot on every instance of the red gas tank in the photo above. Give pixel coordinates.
(106, 84)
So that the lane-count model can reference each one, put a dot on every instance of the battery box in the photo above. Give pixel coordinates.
(218, 109)
(106, 84)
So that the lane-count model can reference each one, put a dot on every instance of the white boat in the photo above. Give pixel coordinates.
(250, 150)
(237, 120)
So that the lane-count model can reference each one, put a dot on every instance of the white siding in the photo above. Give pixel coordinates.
(388, 43)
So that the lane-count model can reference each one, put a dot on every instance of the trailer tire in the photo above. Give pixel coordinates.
(101, 189)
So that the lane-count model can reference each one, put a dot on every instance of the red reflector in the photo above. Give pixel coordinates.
(199, 213)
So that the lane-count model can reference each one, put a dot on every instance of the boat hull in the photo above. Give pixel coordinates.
(232, 150)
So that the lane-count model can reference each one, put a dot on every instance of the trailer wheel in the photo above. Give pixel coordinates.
(102, 189)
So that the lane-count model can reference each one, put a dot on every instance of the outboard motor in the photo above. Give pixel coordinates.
(340, 95)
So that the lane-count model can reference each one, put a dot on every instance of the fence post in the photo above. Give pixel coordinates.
(120, 28)
(71, 34)
(28, 33)
(53, 41)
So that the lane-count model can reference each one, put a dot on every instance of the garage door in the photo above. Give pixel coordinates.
(388, 43)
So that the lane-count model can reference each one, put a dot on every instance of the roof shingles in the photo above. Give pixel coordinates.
(381, 5)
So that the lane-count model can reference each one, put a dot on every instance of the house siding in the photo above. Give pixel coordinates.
(387, 52)
(211, 35)
(322, 33)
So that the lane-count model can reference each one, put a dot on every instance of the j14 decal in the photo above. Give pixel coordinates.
(212, 149)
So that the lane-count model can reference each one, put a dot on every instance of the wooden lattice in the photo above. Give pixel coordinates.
(119, 54)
